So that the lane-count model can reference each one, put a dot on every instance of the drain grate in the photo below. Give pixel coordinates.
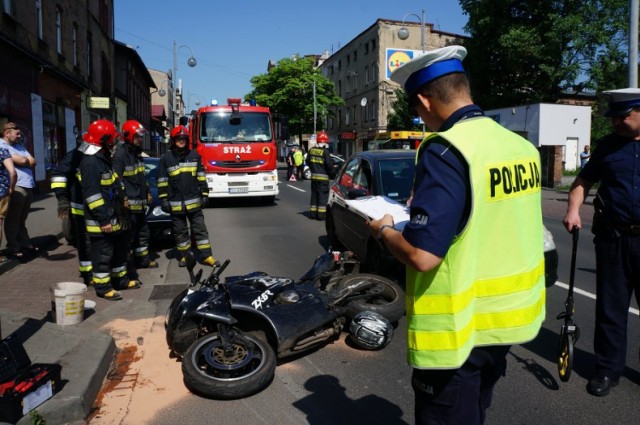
(166, 292)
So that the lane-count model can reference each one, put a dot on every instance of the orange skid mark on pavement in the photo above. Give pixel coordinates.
(150, 382)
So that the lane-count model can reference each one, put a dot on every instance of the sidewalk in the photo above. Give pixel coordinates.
(86, 350)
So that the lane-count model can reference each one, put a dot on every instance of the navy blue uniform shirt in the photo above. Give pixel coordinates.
(442, 193)
(615, 163)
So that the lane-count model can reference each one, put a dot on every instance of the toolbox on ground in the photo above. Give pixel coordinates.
(23, 386)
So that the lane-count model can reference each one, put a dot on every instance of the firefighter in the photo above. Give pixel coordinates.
(105, 215)
(129, 166)
(183, 193)
(66, 186)
(322, 169)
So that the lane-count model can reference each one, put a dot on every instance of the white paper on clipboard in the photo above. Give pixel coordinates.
(374, 207)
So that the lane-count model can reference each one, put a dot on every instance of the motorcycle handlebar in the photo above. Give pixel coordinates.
(218, 268)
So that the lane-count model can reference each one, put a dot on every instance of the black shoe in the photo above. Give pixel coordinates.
(600, 385)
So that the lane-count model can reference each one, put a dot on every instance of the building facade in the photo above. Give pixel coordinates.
(360, 71)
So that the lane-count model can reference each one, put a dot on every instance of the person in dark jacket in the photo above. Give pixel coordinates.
(105, 215)
(129, 166)
(65, 183)
(183, 193)
(322, 169)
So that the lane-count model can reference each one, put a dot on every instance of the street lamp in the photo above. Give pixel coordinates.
(403, 33)
(192, 62)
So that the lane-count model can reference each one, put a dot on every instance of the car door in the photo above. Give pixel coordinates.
(356, 231)
(339, 192)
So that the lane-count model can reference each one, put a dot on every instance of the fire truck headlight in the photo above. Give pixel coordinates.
(269, 178)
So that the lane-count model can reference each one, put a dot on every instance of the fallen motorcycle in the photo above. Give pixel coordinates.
(229, 333)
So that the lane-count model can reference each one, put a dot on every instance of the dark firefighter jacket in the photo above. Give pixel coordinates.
(65, 182)
(103, 194)
(181, 181)
(129, 166)
(321, 164)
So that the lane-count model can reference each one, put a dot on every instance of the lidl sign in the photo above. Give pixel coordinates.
(398, 57)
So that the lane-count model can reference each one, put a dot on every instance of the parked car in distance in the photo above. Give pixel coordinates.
(386, 173)
(158, 220)
(337, 160)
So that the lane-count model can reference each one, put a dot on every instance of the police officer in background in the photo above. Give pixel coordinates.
(183, 193)
(65, 183)
(105, 215)
(615, 163)
(473, 246)
(322, 170)
(129, 165)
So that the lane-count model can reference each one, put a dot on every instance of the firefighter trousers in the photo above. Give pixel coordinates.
(138, 236)
(109, 261)
(83, 246)
(199, 233)
(319, 198)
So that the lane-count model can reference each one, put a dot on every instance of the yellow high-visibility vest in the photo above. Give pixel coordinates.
(489, 288)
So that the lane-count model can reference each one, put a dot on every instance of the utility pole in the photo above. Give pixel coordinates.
(633, 43)
(315, 109)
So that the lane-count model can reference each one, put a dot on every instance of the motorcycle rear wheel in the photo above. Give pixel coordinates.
(390, 302)
(208, 371)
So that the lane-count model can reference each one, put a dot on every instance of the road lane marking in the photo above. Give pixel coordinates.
(296, 188)
(592, 296)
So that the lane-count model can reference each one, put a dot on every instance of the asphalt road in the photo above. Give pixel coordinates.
(338, 384)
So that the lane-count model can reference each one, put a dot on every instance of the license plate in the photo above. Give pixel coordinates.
(238, 189)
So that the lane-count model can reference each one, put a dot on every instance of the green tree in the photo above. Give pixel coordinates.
(530, 51)
(287, 89)
(400, 118)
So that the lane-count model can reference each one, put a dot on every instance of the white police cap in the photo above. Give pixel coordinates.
(622, 101)
(429, 66)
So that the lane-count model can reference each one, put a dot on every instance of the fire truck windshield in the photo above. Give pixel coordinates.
(225, 127)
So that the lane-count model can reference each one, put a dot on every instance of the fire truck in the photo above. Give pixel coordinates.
(238, 149)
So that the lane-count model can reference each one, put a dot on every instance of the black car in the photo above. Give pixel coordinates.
(369, 173)
(388, 173)
(158, 220)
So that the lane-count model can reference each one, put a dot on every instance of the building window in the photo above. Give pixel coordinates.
(354, 115)
(59, 30)
(366, 48)
(374, 72)
(355, 56)
(348, 60)
(7, 7)
(39, 19)
(366, 75)
(346, 116)
(373, 44)
(339, 87)
(339, 65)
(89, 57)
(75, 44)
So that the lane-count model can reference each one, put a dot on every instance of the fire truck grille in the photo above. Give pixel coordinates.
(240, 164)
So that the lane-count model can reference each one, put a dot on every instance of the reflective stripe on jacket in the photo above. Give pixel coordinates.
(489, 288)
(320, 164)
(182, 181)
(129, 166)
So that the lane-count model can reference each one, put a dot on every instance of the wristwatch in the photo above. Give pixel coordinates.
(381, 229)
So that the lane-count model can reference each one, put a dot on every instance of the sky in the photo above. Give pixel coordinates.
(234, 40)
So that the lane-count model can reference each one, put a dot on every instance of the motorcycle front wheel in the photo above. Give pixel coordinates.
(380, 295)
(248, 369)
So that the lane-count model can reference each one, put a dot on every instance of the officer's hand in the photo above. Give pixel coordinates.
(107, 228)
(63, 213)
(149, 198)
(205, 202)
(570, 220)
(126, 202)
(165, 206)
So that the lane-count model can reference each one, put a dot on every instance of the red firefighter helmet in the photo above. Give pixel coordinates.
(179, 131)
(132, 128)
(322, 137)
(101, 132)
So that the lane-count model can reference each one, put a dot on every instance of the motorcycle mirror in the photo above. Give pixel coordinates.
(191, 261)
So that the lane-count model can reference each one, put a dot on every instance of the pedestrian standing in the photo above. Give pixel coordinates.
(15, 224)
(183, 192)
(584, 156)
(298, 162)
(129, 166)
(7, 184)
(473, 246)
(615, 164)
(66, 185)
(104, 211)
(322, 170)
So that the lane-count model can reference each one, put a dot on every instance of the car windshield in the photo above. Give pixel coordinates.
(151, 173)
(245, 127)
(396, 176)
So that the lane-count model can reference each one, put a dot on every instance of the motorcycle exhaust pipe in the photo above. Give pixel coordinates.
(314, 339)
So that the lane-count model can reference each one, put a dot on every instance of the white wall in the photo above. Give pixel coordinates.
(548, 124)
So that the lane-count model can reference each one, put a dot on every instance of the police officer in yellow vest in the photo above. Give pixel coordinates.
(473, 246)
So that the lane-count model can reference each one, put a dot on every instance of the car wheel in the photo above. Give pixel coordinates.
(334, 243)
(307, 174)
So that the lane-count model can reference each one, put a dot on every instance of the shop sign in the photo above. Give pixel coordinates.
(98, 103)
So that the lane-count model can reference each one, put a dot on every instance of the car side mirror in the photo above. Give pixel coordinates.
(356, 193)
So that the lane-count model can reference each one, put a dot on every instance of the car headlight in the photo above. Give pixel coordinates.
(157, 212)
